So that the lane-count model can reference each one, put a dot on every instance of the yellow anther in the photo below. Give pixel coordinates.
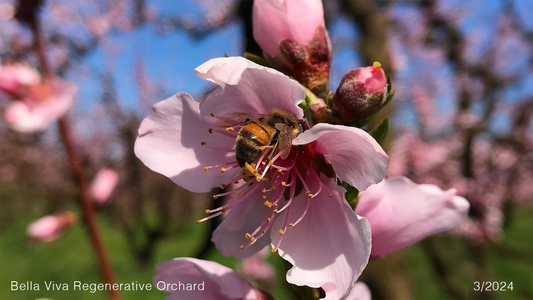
(330, 195)
(247, 235)
(268, 220)
(223, 210)
(206, 168)
(275, 205)
(229, 129)
(207, 211)
(215, 197)
(264, 197)
(262, 147)
(242, 247)
(283, 183)
(236, 181)
(290, 225)
(275, 211)
(309, 195)
(280, 170)
(203, 143)
(210, 130)
(253, 165)
(252, 239)
(245, 192)
(264, 190)
(270, 162)
(257, 178)
(262, 232)
(267, 203)
(246, 178)
(377, 65)
(273, 250)
(224, 185)
(263, 163)
(198, 222)
(274, 188)
(212, 114)
(280, 232)
(222, 170)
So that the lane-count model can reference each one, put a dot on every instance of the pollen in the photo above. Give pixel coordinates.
(242, 247)
(222, 170)
(377, 65)
(229, 129)
(247, 235)
(215, 197)
(207, 211)
(280, 232)
(203, 143)
(252, 239)
(206, 168)
(210, 130)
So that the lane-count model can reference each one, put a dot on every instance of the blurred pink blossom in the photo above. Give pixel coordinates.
(360, 292)
(44, 104)
(103, 185)
(16, 77)
(402, 213)
(49, 228)
(257, 268)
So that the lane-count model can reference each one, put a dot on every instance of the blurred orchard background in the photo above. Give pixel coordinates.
(461, 118)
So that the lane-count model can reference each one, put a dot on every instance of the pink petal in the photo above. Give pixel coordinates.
(244, 218)
(373, 79)
(219, 282)
(103, 184)
(360, 292)
(354, 154)
(13, 77)
(402, 213)
(271, 25)
(246, 87)
(169, 143)
(49, 228)
(330, 247)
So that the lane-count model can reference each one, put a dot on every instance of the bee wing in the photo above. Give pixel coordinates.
(284, 140)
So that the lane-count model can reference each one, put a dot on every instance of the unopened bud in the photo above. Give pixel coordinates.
(51, 227)
(360, 94)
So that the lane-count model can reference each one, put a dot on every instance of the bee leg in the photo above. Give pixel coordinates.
(273, 150)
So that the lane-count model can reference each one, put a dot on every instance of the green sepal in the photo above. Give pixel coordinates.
(351, 195)
(380, 132)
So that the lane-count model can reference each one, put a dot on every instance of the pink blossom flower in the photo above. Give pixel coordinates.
(104, 184)
(311, 225)
(15, 77)
(49, 228)
(360, 292)
(213, 280)
(43, 105)
(278, 20)
(402, 213)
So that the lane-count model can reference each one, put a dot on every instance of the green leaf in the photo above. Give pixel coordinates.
(257, 59)
(351, 195)
(380, 132)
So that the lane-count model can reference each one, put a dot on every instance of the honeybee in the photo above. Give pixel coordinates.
(278, 128)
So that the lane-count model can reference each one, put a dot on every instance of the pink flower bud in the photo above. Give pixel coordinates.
(278, 20)
(103, 185)
(360, 94)
(49, 228)
(293, 37)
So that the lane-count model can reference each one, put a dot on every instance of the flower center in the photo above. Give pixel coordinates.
(273, 170)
